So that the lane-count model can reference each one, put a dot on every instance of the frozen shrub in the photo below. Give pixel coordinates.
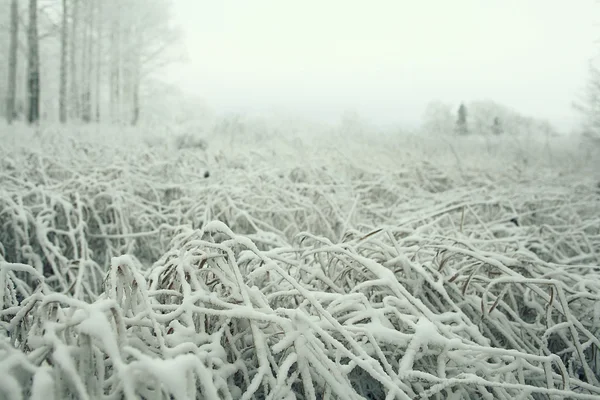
(189, 141)
(366, 272)
(155, 142)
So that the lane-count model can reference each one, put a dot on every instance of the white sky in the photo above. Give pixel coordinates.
(387, 59)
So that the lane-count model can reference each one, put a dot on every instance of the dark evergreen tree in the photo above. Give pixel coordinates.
(461, 122)
(497, 127)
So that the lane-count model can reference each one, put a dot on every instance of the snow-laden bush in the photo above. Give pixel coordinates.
(190, 141)
(413, 269)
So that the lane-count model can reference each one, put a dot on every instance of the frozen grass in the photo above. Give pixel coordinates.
(309, 266)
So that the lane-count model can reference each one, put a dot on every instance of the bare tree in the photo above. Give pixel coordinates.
(135, 68)
(33, 66)
(589, 104)
(438, 118)
(99, 48)
(142, 41)
(105, 55)
(62, 99)
(87, 62)
(115, 84)
(74, 76)
(12, 62)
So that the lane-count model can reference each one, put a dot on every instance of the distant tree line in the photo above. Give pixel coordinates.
(85, 60)
(480, 118)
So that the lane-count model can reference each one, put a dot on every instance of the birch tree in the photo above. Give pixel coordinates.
(100, 57)
(142, 40)
(63, 64)
(12, 62)
(33, 66)
(88, 16)
(75, 108)
(115, 68)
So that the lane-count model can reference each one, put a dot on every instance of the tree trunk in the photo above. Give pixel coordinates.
(86, 63)
(12, 62)
(136, 104)
(76, 109)
(115, 73)
(33, 66)
(62, 101)
(136, 75)
(99, 48)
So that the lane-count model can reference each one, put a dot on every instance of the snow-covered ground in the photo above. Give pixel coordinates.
(297, 264)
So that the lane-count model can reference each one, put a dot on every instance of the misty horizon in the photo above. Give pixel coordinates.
(387, 61)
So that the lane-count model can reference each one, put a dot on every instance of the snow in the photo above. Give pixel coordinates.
(303, 266)
(43, 384)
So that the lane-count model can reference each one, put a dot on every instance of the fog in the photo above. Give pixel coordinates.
(387, 59)
(299, 200)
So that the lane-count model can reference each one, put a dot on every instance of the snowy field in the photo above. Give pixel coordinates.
(297, 266)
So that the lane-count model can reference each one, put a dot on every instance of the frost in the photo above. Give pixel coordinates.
(43, 385)
(339, 272)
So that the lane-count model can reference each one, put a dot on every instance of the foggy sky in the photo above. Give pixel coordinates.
(387, 59)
